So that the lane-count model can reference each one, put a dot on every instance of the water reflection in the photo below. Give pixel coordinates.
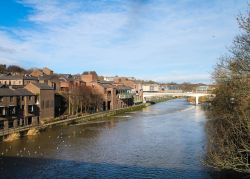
(165, 140)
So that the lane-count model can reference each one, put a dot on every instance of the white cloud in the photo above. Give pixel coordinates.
(122, 37)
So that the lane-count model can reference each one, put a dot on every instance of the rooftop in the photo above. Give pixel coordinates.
(17, 77)
(15, 92)
(43, 86)
(10, 77)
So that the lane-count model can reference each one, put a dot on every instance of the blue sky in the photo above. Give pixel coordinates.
(162, 40)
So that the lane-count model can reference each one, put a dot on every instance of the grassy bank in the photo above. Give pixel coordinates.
(92, 117)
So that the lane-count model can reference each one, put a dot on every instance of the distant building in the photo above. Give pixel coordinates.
(109, 78)
(37, 73)
(16, 80)
(136, 88)
(151, 88)
(51, 80)
(89, 76)
(48, 71)
(114, 95)
(204, 89)
(170, 88)
(41, 72)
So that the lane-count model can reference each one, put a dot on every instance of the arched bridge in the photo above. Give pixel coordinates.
(149, 95)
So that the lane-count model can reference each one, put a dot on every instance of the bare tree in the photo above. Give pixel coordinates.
(228, 129)
(82, 99)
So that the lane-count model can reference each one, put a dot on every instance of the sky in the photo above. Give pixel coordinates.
(161, 40)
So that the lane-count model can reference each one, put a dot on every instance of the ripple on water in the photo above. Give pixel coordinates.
(165, 140)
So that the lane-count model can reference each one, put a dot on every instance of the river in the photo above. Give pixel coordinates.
(165, 140)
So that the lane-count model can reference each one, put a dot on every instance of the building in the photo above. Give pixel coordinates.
(47, 71)
(109, 78)
(17, 80)
(37, 73)
(114, 95)
(18, 107)
(151, 87)
(89, 77)
(41, 72)
(204, 89)
(124, 96)
(66, 84)
(136, 88)
(50, 80)
(170, 88)
(45, 100)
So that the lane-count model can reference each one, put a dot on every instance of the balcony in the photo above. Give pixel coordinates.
(125, 96)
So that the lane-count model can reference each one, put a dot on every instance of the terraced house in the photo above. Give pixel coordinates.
(114, 95)
(18, 107)
(17, 81)
(45, 100)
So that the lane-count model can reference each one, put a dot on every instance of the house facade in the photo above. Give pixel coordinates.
(18, 107)
(46, 100)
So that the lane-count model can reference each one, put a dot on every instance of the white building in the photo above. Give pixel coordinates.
(151, 88)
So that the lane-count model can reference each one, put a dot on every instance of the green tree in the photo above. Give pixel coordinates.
(228, 129)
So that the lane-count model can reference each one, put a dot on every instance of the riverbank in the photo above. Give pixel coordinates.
(96, 116)
(80, 118)
(22, 131)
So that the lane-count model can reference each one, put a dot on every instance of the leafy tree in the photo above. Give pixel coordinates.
(228, 129)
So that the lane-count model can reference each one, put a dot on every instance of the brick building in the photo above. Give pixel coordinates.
(136, 87)
(18, 107)
(41, 72)
(46, 100)
(114, 95)
(17, 81)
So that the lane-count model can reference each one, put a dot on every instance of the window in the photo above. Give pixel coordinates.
(109, 93)
(11, 99)
(1, 125)
(2, 111)
(30, 98)
(11, 124)
(22, 98)
(1, 99)
(13, 111)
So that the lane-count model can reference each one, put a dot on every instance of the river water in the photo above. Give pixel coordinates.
(166, 140)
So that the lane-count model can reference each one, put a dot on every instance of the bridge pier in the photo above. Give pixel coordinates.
(196, 100)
